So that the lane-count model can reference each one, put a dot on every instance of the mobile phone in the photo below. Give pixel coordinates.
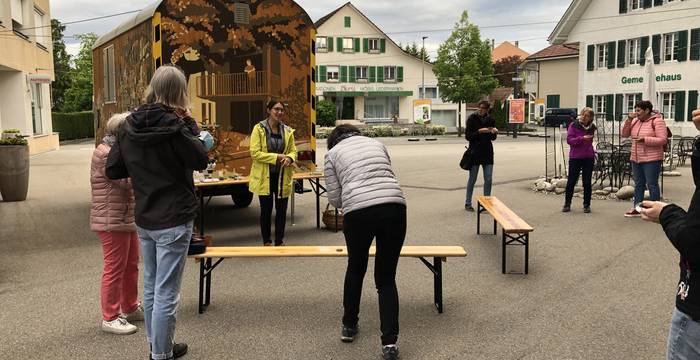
(639, 208)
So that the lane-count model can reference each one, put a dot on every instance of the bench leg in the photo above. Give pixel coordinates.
(503, 253)
(208, 287)
(518, 239)
(527, 246)
(205, 269)
(437, 277)
(478, 217)
(202, 271)
(494, 227)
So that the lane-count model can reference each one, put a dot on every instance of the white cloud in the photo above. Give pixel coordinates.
(73, 49)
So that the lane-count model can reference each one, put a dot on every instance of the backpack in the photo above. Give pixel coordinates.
(669, 134)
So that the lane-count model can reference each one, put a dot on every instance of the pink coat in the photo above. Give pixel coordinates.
(653, 130)
(112, 200)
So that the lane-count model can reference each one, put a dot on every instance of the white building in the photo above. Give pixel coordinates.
(613, 37)
(368, 76)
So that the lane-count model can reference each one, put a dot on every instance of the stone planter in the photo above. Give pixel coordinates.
(14, 172)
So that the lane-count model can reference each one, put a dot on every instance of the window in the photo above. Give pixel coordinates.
(109, 75)
(321, 44)
(602, 51)
(42, 34)
(36, 108)
(384, 107)
(668, 52)
(348, 45)
(631, 100)
(347, 21)
(600, 104)
(634, 51)
(636, 4)
(332, 73)
(241, 13)
(361, 73)
(668, 105)
(430, 92)
(17, 14)
(373, 45)
(390, 73)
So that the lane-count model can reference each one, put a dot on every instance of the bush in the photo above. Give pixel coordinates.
(323, 132)
(77, 125)
(11, 131)
(382, 130)
(368, 132)
(17, 140)
(326, 113)
(499, 113)
(437, 129)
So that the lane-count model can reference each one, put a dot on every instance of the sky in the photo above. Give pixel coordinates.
(406, 23)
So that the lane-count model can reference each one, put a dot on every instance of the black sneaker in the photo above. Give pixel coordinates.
(566, 208)
(390, 352)
(348, 333)
(468, 208)
(587, 209)
(179, 350)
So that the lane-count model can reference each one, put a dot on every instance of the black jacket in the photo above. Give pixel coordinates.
(159, 151)
(480, 143)
(683, 229)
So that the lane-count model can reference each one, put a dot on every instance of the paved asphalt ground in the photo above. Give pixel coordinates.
(600, 286)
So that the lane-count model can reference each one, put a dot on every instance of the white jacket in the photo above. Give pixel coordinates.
(359, 175)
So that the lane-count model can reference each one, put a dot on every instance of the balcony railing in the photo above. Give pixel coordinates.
(238, 84)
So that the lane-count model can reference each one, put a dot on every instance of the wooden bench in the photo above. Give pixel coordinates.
(515, 230)
(438, 253)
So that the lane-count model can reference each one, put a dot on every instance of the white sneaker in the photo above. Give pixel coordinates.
(118, 326)
(136, 315)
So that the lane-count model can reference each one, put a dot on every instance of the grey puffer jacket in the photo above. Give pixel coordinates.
(359, 175)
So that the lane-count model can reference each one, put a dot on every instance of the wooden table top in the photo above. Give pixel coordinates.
(244, 179)
(323, 251)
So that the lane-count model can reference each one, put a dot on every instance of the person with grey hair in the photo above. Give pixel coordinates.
(158, 148)
(112, 218)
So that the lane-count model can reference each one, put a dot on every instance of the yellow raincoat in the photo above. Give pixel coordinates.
(259, 183)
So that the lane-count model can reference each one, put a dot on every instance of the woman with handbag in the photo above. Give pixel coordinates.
(579, 136)
(480, 132)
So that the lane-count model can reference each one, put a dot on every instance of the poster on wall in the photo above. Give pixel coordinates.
(516, 111)
(421, 111)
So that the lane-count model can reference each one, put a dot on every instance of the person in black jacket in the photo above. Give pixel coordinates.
(481, 131)
(683, 230)
(158, 148)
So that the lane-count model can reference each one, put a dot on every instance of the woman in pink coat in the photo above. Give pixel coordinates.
(648, 132)
(112, 217)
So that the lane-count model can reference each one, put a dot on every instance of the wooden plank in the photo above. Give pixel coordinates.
(323, 251)
(509, 221)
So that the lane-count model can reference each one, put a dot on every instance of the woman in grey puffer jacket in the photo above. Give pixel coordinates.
(360, 181)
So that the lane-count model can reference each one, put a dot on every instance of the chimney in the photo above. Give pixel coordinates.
(517, 44)
(493, 44)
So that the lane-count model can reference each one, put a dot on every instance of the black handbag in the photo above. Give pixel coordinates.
(467, 159)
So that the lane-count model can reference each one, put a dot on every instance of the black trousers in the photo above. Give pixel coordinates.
(576, 166)
(386, 222)
(280, 204)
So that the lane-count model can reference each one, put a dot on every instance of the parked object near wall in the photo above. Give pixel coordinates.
(14, 168)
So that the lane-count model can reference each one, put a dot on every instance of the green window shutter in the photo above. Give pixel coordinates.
(695, 44)
(621, 53)
(399, 73)
(623, 6)
(692, 103)
(609, 106)
(591, 57)
(365, 45)
(339, 42)
(589, 101)
(318, 75)
(647, 4)
(357, 45)
(322, 73)
(382, 45)
(351, 74)
(682, 49)
(343, 74)
(347, 22)
(380, 74)
(658, 2)
(656, 48)
(552, 101)
(611, 55)
(329, 43)
(619, 103)
(680, 106)
(645, 46)
(372, 74)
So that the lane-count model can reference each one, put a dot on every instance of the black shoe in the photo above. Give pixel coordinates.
(179, 350)
(348, 333)
(468, 208)
(587, 209)
(566, 208)
(390, 352)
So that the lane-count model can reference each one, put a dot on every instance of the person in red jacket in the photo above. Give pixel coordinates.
(683, 230)
(112, 218)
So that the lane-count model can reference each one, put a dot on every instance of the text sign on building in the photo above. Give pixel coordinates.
(421, 111)
(39, 78)
(659, 78)
(516, 111)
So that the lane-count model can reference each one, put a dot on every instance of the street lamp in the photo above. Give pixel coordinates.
(422, 57)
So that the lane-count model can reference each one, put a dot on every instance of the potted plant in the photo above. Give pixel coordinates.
(14, 166)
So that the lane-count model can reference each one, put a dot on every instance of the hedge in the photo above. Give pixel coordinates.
(76, 125)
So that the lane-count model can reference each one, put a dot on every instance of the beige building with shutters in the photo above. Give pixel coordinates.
(369, 77)
(614, 36)
(26, 72)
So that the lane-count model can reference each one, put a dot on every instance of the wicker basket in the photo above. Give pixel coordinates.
(333, 218)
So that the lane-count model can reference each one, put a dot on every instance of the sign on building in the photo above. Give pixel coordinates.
(516, 111)
(421, 111)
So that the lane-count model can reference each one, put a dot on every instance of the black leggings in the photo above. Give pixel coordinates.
(266, 203)
(576, 167)
(386, 222)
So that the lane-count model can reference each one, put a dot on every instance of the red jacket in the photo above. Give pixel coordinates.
(653, 130)
(112, 200)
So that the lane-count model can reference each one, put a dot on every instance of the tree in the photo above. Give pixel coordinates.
(326, 113)
(61, 65)
(463, 65)
(505, 69)
(419, 53)
(499, 113)
(78, 97)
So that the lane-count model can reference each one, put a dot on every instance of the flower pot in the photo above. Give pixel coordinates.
(14, 172)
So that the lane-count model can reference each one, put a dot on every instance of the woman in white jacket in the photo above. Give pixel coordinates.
(360, 181)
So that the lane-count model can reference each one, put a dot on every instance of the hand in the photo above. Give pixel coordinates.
(639, 140)
(185, 113)
(484, 130)
(281, 158)
(696, 118)
(588, 137)
(651, 210)
(287, 161)
(494, 131)
(631, 116)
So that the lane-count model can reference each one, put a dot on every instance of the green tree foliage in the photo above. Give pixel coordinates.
(499, 113)
(61, 65)
(463, 66)
(325, 113)
(415, 51)
(505, 69)
(78, 97)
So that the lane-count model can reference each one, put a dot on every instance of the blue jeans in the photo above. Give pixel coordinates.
(646, 175)
(683, 338)
(164, 253)
(473, 173)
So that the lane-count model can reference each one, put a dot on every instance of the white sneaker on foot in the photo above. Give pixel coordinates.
(136, 315)
(118, 326)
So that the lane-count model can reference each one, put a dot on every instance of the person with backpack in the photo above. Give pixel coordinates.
(649, 135)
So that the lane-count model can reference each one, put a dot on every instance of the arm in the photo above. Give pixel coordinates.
(256, 148)
(471, 133)
(333, 188)
(492, 136)
(292, 149)
(116, 168)
(660, 135)
(572, 139)
(190, 150)
(626, 129)
(683, 228)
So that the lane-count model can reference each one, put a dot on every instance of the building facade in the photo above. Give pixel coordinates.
(614, 36)
(551, 77)
(369, 77)
(26, 72)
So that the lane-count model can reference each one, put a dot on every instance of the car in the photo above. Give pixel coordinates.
(559, 116)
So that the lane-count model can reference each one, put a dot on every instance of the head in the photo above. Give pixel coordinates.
(114, 124)
(586, 116)
(484, 107)
(643, 109)
(168, 87)
(275, 110)
(248, 62)
(341, 132)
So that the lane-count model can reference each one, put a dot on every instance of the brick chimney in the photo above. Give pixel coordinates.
(517, 44)
(493, 44)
